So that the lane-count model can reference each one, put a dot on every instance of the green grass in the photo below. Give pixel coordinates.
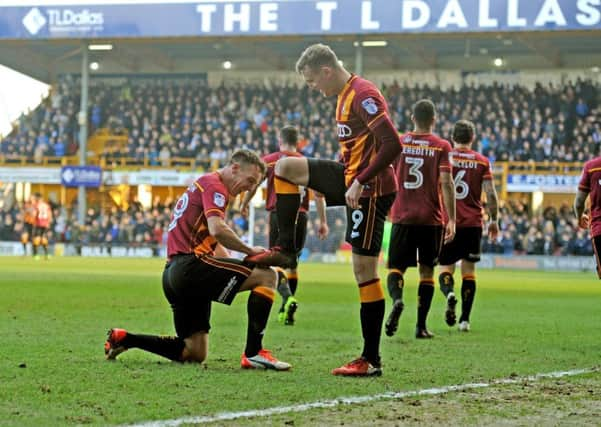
(54, 316)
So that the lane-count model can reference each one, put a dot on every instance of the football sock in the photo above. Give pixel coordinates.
(446, 282)
(169, 347)
(468, 292)
(395, 284)
(34, 245)
(425, 291)
(293, 282)
(287, 204)
(258, 308)
(372, 316)
(283, 287)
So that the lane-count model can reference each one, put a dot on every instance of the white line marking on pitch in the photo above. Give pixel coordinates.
(357, 399)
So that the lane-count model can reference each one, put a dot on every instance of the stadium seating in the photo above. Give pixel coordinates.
(186, 123)
(159, 122)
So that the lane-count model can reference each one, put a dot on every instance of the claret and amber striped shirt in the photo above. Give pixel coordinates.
(188, 231)
(359, 110)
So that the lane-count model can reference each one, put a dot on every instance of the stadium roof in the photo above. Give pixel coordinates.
(43, 38)
(46, 59)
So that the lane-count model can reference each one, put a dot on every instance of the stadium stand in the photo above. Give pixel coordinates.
(166, 122)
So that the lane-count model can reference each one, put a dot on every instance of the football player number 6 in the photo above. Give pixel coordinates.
(461, 187)
(414, 170)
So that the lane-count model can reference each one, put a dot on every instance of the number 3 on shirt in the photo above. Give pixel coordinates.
(414, 170)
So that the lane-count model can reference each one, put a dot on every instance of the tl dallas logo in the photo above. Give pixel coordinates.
(63, 20)
(34, 21)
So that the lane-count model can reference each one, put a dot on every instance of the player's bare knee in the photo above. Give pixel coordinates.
(425, 272)
(196, 348)
(196, 357)
(269, 278)
(364, 267)
(283, 168)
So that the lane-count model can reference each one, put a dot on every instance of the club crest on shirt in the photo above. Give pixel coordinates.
(219, 199)
(369, 105)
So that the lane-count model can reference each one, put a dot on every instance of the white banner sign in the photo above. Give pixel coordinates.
(116, 251)
(33, 175)
(161, 178)
(544, 183)
(11, 248)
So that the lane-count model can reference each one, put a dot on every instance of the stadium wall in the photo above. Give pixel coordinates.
(524, 262)
(444, 78)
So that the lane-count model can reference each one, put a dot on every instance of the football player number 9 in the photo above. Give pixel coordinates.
(178, 211)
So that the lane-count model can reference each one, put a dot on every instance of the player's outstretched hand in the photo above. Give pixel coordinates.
(353, 194)
(584, 221)
(449, 232)
(493, 230)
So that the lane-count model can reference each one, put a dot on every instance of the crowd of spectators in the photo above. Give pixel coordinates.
(134, 226)
(166, 119)
(553, 231)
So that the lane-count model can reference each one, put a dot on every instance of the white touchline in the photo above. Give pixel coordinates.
(356, 399)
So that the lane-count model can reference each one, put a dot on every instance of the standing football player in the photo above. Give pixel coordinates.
(43, 219)
(418, 229)
(590, 185)
(471, 175)
(363, 180)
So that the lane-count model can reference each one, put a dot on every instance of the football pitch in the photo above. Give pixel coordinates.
(55, 315)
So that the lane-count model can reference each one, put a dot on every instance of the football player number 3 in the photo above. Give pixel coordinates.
(461, 187)
(416, 164)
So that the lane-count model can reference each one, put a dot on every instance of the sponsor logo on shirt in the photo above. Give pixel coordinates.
(370, 106)
(344, 131)
(219, 199)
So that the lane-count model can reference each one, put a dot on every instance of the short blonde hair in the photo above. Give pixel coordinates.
(248, 157)
(316, 56)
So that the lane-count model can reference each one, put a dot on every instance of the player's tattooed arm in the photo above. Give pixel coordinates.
(492, 200)
(448, 198)
(579, 206)
(448, 194)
